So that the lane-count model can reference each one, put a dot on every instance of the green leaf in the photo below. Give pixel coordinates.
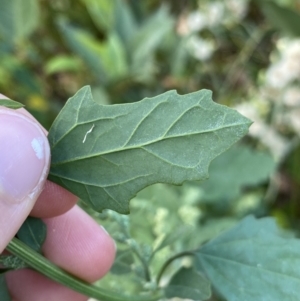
(33, 233)
(106, 59)
(102, 12)
(156, 200)
(4, 293)
(106, 154)
(125, 23)
(18, 19)
(211, 229)
(148, 39)
(281, 17)
(123, 262)
(113, 16)
(188, 284)
(253, 262)
(62, 63)
(235, 169)
(8, 103)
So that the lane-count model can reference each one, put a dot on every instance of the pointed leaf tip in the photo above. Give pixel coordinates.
(11, 104)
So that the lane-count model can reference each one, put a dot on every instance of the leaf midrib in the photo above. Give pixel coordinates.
(148, 143)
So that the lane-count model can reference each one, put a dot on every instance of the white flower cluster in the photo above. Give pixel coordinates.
(280, 96)
(291, 97)
(282, 82)
(215, 13)
(212, 14)
(287, 68)
(238, 9)
(200, 48)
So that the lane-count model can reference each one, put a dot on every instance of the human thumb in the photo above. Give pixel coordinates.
(24, 165)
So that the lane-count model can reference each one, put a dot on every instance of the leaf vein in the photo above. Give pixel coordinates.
(140, 122)
(178, 119)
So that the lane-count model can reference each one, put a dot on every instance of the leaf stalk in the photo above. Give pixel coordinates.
(47, 268)
(170, 260)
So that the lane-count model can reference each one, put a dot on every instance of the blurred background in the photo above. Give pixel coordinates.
(246, 52)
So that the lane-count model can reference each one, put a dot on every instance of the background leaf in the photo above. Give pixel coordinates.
(113, 16)
(106, 154)
(283, 18)
(33, 233)
(4, 293)
(188, 284)
(18, 19)
(106, 59)
(8, 103)
(237, 168)
(253, 262)
(102, 12)
(62, 63)
(148, 38)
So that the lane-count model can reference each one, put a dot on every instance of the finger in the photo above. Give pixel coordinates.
(28, 285)
(79, 245)
(24, 165)
(53, 201)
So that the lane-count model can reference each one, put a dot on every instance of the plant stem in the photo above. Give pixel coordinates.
(170, 260)
(45, 267)
(144, 264)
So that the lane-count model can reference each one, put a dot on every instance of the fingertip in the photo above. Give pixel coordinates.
(24, 165)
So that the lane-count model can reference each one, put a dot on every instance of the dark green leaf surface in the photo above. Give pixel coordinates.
(4, 294)
(8, 103)
(237, 168)
(281, 17)
(33, 233)
(188, 284)
(106, 154)
(252, 262)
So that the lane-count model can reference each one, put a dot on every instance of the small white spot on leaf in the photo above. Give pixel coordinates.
(89, 131)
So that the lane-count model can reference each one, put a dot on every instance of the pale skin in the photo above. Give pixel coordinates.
(74, 241)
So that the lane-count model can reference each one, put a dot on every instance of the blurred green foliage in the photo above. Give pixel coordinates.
(127, 50)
